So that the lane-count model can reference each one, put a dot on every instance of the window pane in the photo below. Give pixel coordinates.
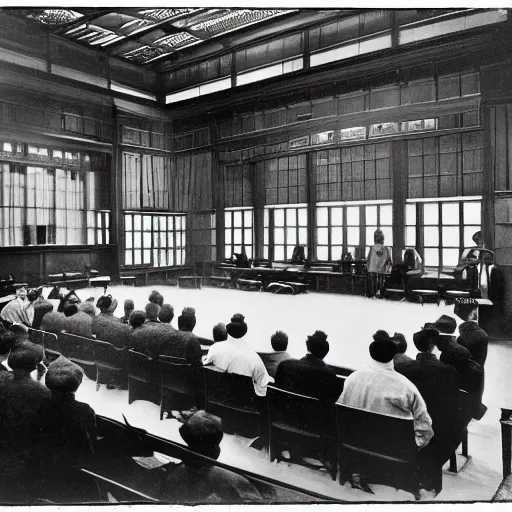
(265, 252)
(323, 236)
(337, 216)
(371, 215)
(353, 216)
(279, 218)
(431, 213)
(451, 237)
(227, 219)
(265, 217)
(137, 257)
(227, 236)
(303, 236)
(170, 239)
(170, 258)
(289, 251)
(178, 258)
(237, 219)
(322, 253)
(370, 230)
(321, 217)
(128, 241)
(472, 213)
(137, 222)
(353, 236)
(431, 236)
(432, 257)
(128, 222)
(291, 236)
(146, 240)
(410, 214)
(156, 261)
(147, 223)
(291, 217)
(248, 251)
(410, 236)
(128, 258)
(147, 257)
(237, 236)
(137, 240)
(336, 252)
(279, 235)
(388, 235)
(337, 236)
(248, 236)
(303, 217)
(248, 218)
(450, 257)
(265, 236)
(155, 224)
(469, 231)
(279, 252)
(386, 215)
(450, 213)
(228, 251)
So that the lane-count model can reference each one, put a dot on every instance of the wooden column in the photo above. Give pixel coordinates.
(116, 195)
(258, 201)
(399, 167)
(494, 139)
(311, 200)
(217, 190)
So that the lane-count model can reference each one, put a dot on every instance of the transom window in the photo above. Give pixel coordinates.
(154, 240)
(238, 234)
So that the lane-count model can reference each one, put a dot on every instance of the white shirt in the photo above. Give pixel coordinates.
(379, 388)
(234, 356)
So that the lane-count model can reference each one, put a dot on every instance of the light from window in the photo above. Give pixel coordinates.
(269, 71)
(382, 129)
(35, 150)
(323, 138)
(7, 147)
(355, 133)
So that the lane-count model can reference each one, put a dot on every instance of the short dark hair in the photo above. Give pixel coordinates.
(186, 322)
(20, 331)
(166, 313)
(152, 310)
(424, 339)
(401, 342)
(156, 297)
(220, 332)
(383, 348)
(137, 318)
(70, 309)
(279, 341)
(203, 433)
(7, 341)
(317, 344)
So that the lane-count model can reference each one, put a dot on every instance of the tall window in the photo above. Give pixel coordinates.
(154, 240)
(444, 229)
(288, 228)
(329, 220)
(378, 217)
(238, 234)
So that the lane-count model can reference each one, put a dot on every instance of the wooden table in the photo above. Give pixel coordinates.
(98, 282)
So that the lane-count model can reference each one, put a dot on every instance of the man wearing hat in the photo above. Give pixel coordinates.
(454, 354)
(472, 337)
(235, 356)
(439, 385)
(197, 480)
(20, 399)
(106, 326)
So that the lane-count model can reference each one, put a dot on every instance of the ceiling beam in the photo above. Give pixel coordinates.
(86, 18)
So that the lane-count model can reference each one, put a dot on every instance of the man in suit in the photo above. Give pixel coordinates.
(310, 376)
(472, 337)
(439, 385)
(401, 348)
(271, 360)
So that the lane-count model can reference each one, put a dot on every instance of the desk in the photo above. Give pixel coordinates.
(98, 282)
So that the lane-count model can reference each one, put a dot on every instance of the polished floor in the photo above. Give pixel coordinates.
(349, 322)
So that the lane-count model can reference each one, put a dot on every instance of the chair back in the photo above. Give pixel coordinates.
(176, 375)
(109, 356)
(36, 336)
(229, 390)
(298, 412)
(378, 446)
(51, 345)
(143, 378)
(76, 348)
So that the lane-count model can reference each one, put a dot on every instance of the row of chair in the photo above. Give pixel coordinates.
(382, 446)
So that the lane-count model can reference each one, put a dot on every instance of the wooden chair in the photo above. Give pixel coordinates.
(232, 397)
(79, 350)
(381, 448)
(304, 423)
(36, 336)
(143, 378)
(111, 363)
(51, 345)
(465, 407)
(181, 385)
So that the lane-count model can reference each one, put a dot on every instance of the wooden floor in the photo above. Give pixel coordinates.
(349, 322)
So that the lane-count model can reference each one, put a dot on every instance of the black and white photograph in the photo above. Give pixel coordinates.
(255, 255)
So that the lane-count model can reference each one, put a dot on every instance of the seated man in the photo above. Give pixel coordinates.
(310, 376)
(219, 333)
(129, 306)
(21, 397)
(271, 360)
(471, 336)
(234, 356)
(156, 298)
(40, 309)
(106, 326)
(67, 429)
(152, 311)
(77, 320)
(471, 373)
(14, 311)
(379, 388)
(166, 315)
(439, 385)
(401, 347)
(197, 481)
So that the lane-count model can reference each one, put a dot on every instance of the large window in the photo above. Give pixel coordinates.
(238, 234)
(442, 229)
(288, 228)
(154, 240)
(340, 228)
(42, 206)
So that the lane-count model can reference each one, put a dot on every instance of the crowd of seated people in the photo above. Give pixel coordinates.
(425, 389)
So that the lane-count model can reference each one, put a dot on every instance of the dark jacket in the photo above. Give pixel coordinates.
(475, 339)
(109, 328)
(439, 385)
(271, 360)
(309, 376)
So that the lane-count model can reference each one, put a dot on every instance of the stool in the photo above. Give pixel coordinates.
(98, 282)
(125, 280)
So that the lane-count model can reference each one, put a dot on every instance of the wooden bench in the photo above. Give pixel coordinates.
(189, 282)
(217, 281)
(125, 280)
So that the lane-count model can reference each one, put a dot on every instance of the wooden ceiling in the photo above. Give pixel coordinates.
(162, 38)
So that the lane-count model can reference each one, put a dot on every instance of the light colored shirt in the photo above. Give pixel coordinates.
(234, 356)
(379, 388)
(379, 259)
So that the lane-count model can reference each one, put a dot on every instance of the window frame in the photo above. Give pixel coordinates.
(229, 248)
